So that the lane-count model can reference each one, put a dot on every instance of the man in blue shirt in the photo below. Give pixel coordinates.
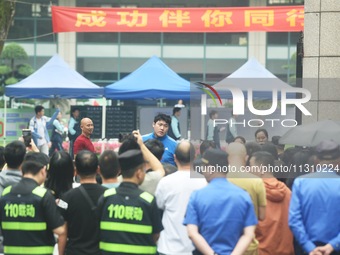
(220, 218)
(314, 208)
(161, 125)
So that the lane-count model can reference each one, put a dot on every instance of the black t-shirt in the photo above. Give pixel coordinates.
(82, 221)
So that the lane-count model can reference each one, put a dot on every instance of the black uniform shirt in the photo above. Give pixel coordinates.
(129, 217)
(28, 204)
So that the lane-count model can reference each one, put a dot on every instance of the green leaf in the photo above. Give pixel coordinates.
(5, 70)
(25, 70)
(11, 80)
(14, 51)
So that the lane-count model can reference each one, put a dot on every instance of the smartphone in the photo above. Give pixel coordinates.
(27, 135)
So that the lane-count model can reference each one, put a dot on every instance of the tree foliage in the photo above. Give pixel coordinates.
(11, 80)
(5, 70)
(25, 70)
(291, 68)
(14, 51)
(7, 11)
(9, 72)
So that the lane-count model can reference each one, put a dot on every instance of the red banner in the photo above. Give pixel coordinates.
(88, 19)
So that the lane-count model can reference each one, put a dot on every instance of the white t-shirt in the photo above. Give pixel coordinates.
(151, 181)
(41, 132)
(172, 195)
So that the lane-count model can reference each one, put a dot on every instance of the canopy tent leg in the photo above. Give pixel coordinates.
(5, 122)
(203, 113)
(104, 118)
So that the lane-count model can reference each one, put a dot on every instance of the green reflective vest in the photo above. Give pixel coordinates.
(23, 225)
(126, 224)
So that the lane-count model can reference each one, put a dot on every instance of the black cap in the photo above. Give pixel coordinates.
(213, 157)
(328, 150)
(130, 159)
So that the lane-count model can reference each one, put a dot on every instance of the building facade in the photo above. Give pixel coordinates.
(105, 58)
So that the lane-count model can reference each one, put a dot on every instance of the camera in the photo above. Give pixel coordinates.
(27, 135)
(128, 136)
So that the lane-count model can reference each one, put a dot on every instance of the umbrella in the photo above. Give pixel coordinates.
(312, 134)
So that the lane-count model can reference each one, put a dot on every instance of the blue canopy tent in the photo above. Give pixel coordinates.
(152, 80)
(55, 79)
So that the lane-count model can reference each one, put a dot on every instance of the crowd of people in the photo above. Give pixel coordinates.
(156, 196)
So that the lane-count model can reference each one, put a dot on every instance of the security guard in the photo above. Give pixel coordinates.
(130, 220)
(29, 215)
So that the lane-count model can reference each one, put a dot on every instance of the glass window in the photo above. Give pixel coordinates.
(227, 38)
(162, 3)
(101, 76)
(41, 10)
(276, 38)
(285, 2)
(230, 3)
(191, 76)
(29, 9)
(99, 71)
(141, 38)
(283, 69)
(22, 11)
(21, 30)
(97, 37)
(183, 38)
(222, 66)
(44, 31)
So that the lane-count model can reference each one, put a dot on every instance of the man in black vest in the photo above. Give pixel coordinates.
(130, 222)
(29, 215)
(174, 129)
(73, 129)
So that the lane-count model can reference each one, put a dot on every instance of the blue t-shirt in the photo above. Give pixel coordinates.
(169, 147)
(221, 211)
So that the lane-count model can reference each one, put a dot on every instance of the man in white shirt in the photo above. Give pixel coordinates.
(38, 125)
(172, 196)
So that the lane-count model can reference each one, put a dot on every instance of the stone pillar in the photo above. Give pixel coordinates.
(321, 62)
(257, 46)
(67, 41)
(257, 41)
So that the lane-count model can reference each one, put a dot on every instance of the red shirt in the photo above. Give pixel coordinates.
(82, 143)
